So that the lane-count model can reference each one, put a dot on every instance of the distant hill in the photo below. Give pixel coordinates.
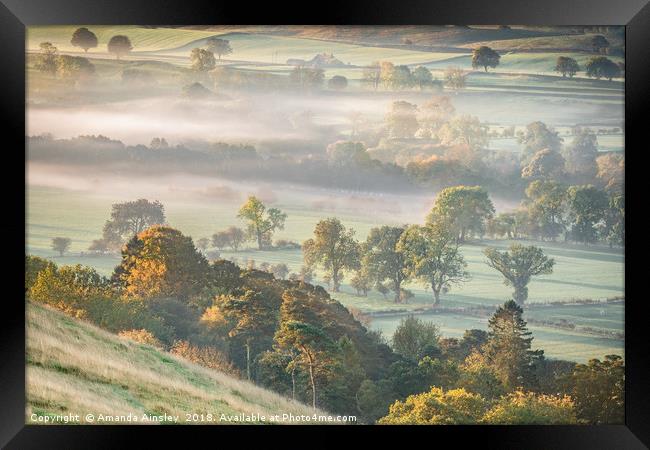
(74, 367)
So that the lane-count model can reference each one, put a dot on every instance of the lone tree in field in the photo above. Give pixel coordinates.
(161, 262)
(262, 223)
(84, 38)
(463, 210)
(220, 47)
(485, 57)
(518, 265)
(61, 244)
(119, 45)
(432, 255)
(130, 218)
(333, 248)
(566, 66)
(601, 67)
(508, 349)
(202, 60)
(383, 261)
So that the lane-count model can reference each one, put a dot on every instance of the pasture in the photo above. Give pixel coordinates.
(580, 272)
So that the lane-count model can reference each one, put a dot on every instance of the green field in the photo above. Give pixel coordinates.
(76, 368)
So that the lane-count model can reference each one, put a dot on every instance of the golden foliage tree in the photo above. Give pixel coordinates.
(161, 262)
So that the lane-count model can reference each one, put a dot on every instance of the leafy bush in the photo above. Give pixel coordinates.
(142, 336)
(208, 357)
(33, 266)
(526, 408)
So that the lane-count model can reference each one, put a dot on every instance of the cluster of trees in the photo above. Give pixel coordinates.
(203, 60)
(394, 255)
(290, 336)
(387, 75)
(582, 213)
(131, 218)
(597, 67)
(85, 39)
(77, 68)
(436, 120)
(71, 68)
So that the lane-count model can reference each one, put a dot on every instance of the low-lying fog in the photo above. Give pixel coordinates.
(186, 190)
(256, 117)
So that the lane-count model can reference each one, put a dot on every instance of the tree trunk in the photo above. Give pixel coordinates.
(397, 288)
(311, 379)
(520, 295)
(335, 280)
(259, 240)
(293, 383)
(248, 361)
(436, 295)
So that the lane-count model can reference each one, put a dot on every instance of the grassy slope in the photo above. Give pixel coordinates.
(74, 367)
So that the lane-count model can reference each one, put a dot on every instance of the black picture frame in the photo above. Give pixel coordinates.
(15, 15)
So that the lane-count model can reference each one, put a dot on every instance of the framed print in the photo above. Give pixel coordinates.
(385, 218)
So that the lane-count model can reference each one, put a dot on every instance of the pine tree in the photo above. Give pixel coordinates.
(508, 349)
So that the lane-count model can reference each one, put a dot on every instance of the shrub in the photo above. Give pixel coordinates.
(70, 289)
(33, 266)
(208, 357)
(142, 336)
(436, 407)
(528, 408)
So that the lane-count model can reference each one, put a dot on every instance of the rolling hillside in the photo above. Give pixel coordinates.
(76, 368)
